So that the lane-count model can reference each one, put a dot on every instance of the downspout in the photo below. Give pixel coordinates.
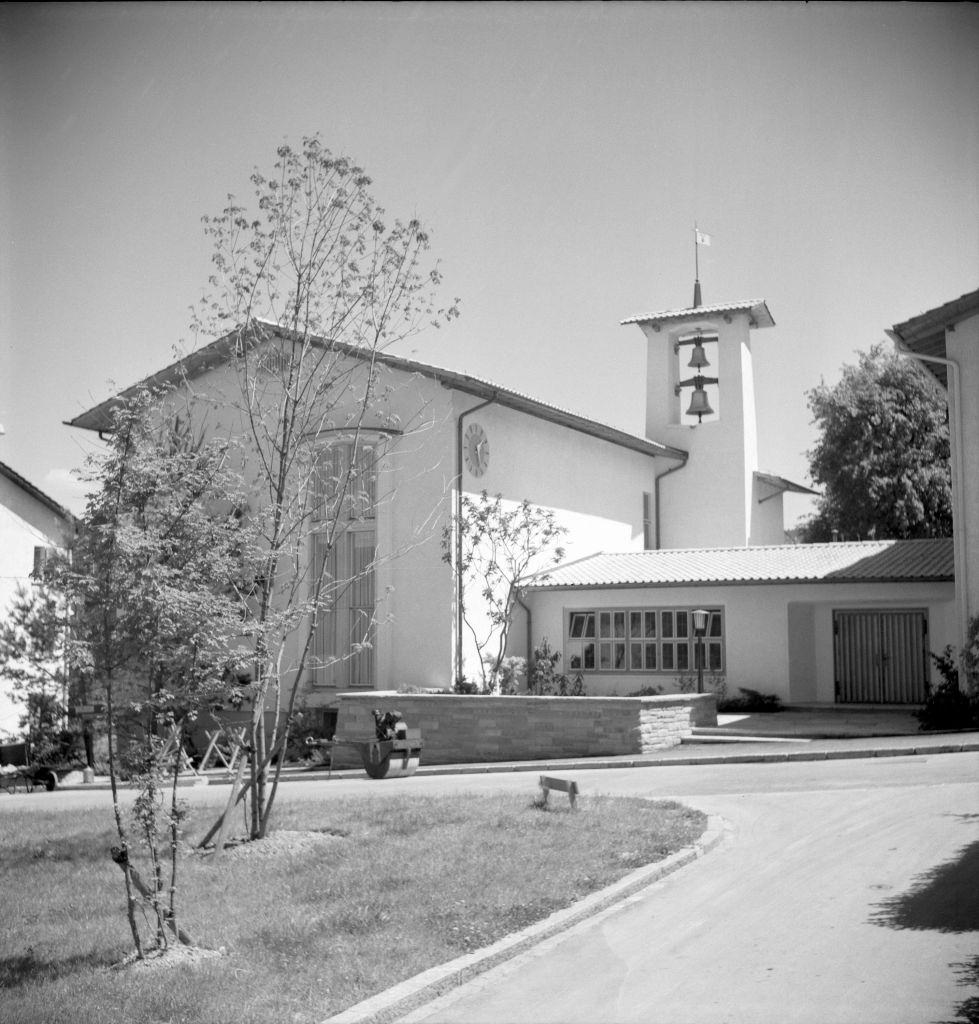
(458, 534)
(656, 481)
(958, 513)
(530, 635)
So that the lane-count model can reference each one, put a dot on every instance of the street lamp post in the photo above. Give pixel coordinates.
(700, 617)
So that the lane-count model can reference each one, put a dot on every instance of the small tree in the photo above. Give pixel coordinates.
(501, 548)
(882, 455)
(33, 658)
(313, 284)
(154, 588)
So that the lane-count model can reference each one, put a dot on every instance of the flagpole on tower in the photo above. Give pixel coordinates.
(699, 238)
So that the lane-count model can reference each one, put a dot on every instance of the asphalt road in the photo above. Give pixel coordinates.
(845, 891)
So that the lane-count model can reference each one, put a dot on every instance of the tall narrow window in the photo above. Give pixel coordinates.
(648, 526)
(346, 481)
(343, 650)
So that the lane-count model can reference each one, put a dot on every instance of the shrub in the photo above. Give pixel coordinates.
(306, 725)
(686, 682)
(947, 706)
(510, 674)
(545, 680)
(751, 700)
(571, 687)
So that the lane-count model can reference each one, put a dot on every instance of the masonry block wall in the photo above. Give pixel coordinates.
(460, 729)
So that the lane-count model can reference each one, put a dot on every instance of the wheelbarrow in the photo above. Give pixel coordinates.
(16, 768)
(394, 758)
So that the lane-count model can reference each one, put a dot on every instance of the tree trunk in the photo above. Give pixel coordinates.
(121, 857)
(225, 818)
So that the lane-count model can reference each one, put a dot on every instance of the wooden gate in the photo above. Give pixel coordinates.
(880, 657)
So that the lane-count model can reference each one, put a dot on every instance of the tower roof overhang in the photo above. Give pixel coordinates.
(756, 309)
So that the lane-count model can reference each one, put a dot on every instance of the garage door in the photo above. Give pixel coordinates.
(880, 657)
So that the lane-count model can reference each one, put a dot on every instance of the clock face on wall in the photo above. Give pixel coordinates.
(476, 450)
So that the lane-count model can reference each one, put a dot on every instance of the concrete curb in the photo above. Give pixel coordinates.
(854, 747)
(409, 995)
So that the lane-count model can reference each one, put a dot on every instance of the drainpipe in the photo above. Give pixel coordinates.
(530, 634)
(656, 481)
(458, 533)
(958, 512)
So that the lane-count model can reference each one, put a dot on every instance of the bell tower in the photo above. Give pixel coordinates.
(700, 397)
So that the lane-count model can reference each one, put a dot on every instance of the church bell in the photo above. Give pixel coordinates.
(699, 406)
(698, 358)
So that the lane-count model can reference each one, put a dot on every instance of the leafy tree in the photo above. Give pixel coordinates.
(501, 548)
(310, 277)
(882, 455)
(33, 659)
(154, 589)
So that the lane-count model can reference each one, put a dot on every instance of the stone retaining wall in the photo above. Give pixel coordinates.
(460, 729)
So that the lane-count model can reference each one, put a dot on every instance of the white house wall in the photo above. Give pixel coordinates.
(962, 347)
(25, 523)
(415, 587)
(768, 517)
(415, 480)
(778, 638)
(594, 487)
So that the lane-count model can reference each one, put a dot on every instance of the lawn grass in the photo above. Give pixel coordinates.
(396, 887)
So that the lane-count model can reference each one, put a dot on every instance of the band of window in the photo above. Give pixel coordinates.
(641, 640)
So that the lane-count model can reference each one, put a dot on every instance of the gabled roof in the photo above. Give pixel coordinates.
(883, 561)
(223, 349)
(925, 333)
(757, 309)
(35, 492)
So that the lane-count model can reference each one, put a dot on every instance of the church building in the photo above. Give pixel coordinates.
(657, 582)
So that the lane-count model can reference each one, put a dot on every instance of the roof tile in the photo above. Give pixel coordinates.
(866, 561)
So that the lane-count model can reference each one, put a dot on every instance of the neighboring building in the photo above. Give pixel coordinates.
(31, 526)
(436, 434)
(946, 341)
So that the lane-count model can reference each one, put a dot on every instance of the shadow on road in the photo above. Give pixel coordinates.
(945, 899)
(968, 974)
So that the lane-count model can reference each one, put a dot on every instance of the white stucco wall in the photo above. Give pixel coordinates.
(412, 417)
(767, 516)
(962, 347)
(708, 503)
(25, 523)
(778, 638)
(595, 487)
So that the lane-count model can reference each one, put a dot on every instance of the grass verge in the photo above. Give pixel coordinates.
(311, 924)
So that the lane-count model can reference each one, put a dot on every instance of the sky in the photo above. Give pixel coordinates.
(559, 155)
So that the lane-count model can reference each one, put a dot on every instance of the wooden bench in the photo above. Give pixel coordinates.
(569, 786)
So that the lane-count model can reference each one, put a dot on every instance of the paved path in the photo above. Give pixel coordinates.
(803, 915)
